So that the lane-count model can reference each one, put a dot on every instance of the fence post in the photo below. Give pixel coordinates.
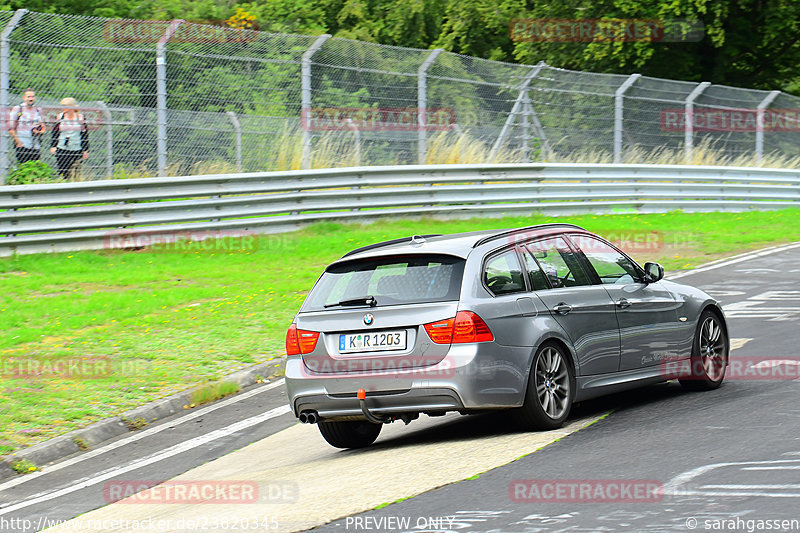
(527, 108)
(237, 128)
(109, 139)
(523, 94)
(760, 124)
(356, 139)
(688, 117)
(422, 105)
(5, 77)
(532, 119)
(619, 108)
(305, 97)
(161, 95)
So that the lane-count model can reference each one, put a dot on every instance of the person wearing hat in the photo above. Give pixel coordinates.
(70, 138)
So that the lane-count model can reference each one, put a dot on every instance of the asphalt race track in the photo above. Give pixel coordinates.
(720, 461)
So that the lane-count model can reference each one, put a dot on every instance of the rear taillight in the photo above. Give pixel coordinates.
(300, 341)
(440, 332)
(465, 327)
(469, 327)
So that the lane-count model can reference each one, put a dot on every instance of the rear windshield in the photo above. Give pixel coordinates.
(393, 280)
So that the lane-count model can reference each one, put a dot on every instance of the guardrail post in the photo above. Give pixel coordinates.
(5, 76)
(237, 128)
(305, 96)
(619, 108)
(523, 94)
(688, 117)
(109, 139)
(760, 124)
(161, 95)
(422, 105)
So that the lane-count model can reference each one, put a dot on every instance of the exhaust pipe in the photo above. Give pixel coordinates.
(308, 417)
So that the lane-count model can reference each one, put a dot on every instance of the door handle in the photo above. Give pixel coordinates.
(622, 303)
(562, 308)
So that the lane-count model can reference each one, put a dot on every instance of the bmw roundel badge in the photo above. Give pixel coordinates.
(368, 319)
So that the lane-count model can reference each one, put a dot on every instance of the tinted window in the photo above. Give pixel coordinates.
(390, 280)
(610, 264)
(503, 274)
(535, 274)
(561, 266)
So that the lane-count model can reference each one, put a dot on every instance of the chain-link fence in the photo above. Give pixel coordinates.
(174, 98)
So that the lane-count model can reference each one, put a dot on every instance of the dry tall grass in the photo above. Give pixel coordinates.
(328, 150)
(335, 149)
(705, 153)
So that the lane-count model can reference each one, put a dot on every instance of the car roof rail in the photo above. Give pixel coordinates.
(413, 238)
(528, 228)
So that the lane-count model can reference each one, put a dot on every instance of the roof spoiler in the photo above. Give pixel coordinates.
(413, 238)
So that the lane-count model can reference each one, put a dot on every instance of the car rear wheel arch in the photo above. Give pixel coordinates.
(534, 413)
(562, 346)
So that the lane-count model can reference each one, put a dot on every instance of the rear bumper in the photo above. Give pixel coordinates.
(471, 376)
(392, 402)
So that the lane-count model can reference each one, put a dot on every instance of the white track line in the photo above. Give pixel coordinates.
(673, 487)
(736, 259)
(190, 444)
(139, 435)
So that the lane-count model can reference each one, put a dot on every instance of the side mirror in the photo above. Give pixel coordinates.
(653, 272)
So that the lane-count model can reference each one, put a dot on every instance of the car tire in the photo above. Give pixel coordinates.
(709, 354)
(548, 398)
(351, 434)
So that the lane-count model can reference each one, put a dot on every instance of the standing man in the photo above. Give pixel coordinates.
(26, 125)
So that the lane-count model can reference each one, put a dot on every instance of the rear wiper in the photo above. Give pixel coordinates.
(362, 300)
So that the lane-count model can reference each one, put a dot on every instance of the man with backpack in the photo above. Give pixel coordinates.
(26, 126)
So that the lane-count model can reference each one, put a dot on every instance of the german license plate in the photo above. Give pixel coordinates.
(378, 341)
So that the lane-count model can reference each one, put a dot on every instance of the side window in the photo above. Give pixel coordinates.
(561, 267)
(503, 274)
(538, 280)
(610, 264)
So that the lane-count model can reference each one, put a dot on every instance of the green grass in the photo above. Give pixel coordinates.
(210, 392)
(163, 321)
(23, 466)
(387, 504)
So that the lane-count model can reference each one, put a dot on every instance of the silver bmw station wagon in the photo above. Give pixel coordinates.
(530, 319)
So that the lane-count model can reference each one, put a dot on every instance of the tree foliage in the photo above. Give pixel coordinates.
(748, 43)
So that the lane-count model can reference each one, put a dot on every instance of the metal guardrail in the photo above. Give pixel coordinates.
(93, 215)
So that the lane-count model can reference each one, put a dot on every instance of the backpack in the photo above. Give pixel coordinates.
(41, 115)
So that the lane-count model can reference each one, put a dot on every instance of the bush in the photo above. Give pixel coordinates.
(31, 172)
